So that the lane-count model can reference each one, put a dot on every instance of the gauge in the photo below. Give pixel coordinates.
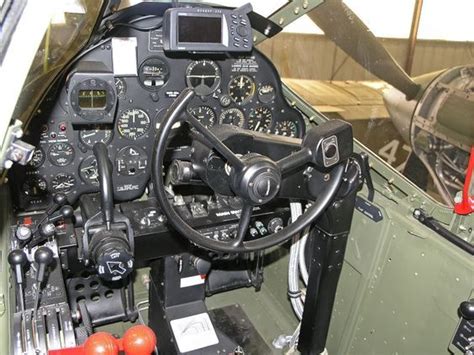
(89, 137)
(63, 182)
(61, 154)
(131, 161)
(37, 159)
(204, 76)
(88, 171)
(35, 186)
(266, 93)
(241, 89)
(287, 129)
(153, 73)
(232, 116)
(121, 87)
(133, 123)
(205, 115)
(260, 119)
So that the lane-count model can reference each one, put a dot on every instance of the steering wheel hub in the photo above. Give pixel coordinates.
(258, 182)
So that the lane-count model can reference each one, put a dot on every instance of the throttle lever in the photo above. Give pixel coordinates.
(104, 168)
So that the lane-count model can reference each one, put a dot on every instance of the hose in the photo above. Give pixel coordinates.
(293, 271)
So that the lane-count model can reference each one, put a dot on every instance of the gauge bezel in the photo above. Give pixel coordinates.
(53, 160)
(66, 175)
(90, 146)
(141, 76)
(136, 137)
(218, 77)
(251, 114)
(41, 161)
(206, 107)
(93, 115)
(248, 98)
(233, 109)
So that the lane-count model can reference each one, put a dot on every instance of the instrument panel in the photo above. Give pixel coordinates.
(244, 91)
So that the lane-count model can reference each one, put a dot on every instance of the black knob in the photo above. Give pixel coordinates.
(17, 260)
(43, 257)
(64, 212)
(60, 199)
(47, 230)
(111, 255)
(466, 309)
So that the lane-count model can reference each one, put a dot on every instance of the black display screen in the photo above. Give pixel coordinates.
(194, 29)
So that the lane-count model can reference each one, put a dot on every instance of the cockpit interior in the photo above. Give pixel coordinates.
(179, 194)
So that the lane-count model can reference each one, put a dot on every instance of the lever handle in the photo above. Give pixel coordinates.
(44, 257)
(104, 168)
(17, 260)
(466, 309)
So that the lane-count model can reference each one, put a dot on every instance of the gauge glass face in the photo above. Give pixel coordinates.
(37, 159)
(260, 119)
(121, 87)
(89, 137)
(133, 123)
(154, 73)
(232, 116)
(204, 76)
(287, 129)
(88, 171)
(205, 115)
(241, 89)
(35, 186)
(63, 182)
(61, 154)
(266, 93)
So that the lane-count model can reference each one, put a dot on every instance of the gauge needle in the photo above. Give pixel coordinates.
(88, 135)
(257, 126)
(241, 84)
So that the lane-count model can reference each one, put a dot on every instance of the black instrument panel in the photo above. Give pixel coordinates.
(244, 91)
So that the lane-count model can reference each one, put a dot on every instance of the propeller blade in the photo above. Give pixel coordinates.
(348, 32)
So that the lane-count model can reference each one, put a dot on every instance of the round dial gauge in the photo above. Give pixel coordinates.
(204, 76)
(35, 186)
(153, 73)
(121, 87)
(266, 93)
(90, 137)
(260, 119)
(232, 116)
(131, 161)
(37, 159)
(63, 182)
(61, 154)
(241, 89)
(88, 171)
(287, 129)
(205, 115)
(133, 123)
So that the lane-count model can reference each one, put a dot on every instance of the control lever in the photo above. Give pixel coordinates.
(104, 169)
(17, 260)
(44, 258)
(48, 230)
(59, 200)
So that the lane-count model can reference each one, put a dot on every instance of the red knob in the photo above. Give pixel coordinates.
(101, 344)
(139, 340)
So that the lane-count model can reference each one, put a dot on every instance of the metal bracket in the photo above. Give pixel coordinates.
(14, 150)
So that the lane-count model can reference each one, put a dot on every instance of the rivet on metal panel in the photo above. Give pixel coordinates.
(297, 10)
(281, 21)
(305, 4)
